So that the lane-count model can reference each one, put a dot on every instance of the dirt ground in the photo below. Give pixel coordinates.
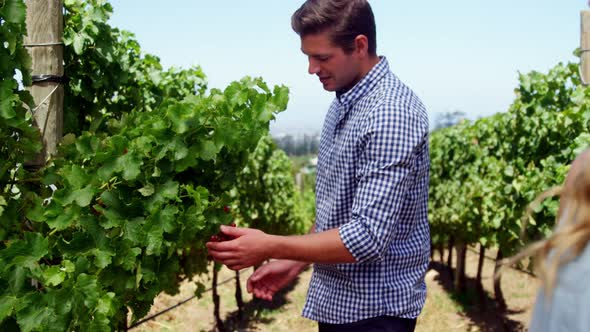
(444, 309)
(447, 311)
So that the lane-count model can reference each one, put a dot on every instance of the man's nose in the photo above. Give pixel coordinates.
(313, 68)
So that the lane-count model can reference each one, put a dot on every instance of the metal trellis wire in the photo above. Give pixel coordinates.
(152, 317)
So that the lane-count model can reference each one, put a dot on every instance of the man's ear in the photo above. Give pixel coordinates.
(361, 44)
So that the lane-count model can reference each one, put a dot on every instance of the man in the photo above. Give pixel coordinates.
(370, 243)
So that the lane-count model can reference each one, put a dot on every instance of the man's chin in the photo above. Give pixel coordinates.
(329, 88)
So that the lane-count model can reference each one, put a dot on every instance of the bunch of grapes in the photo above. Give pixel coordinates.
(220, 237)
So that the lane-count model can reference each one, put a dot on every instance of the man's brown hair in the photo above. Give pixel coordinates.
(344, 20)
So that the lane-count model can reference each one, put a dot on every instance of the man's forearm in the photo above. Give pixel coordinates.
(323, 247)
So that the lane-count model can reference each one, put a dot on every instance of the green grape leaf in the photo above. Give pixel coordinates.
(208, 150)
(103, 258)
(78, 43)
(88, 286)
(84, 196)
(25, 252)
(7, 101)
(147, 190)
(54, 276)
(33, 317)
(128, 258)
(131, 166)
(14, 11)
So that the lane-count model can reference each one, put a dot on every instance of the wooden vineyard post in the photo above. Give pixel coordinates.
(498, 294)
(216, 303)
(450, 256)
(585, 46)
(44, 41)
(459, 279)
(239, 298)
(478, 278)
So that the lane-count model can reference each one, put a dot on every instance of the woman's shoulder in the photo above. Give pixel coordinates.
(567, 308)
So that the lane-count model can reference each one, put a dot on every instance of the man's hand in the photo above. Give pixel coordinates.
(273, 276)
(249, 247)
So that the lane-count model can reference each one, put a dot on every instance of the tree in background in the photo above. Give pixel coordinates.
(298, 145)
(266, 197)
(448, 119)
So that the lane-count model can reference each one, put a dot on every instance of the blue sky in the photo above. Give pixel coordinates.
(457, 55)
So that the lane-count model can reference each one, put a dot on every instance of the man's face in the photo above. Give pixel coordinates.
(336, 70)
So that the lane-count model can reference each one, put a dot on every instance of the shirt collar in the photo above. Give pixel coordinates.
(365, 85)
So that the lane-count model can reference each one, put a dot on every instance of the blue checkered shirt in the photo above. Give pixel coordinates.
(372, 184)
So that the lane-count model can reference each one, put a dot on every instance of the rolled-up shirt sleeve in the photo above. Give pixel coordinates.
(386, 171)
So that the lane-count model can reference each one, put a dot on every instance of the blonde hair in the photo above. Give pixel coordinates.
(572, 230)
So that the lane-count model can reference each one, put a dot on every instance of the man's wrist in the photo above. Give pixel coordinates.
(274, 247)
(278, 248)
